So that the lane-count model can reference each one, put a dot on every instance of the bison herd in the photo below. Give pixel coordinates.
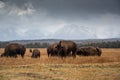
(66, 48)
(61, 49)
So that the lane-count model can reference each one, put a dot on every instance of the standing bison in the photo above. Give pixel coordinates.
(89, 51)
(52, 50)
(14, 49)
(35, 53)
(66, 48)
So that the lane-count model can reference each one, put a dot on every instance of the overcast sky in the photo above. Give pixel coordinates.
(59, 19)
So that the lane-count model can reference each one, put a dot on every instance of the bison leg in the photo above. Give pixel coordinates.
(22, 55)
(74, 54)
(63, 53)
(39, 56)
(49, 54)
(14, 54)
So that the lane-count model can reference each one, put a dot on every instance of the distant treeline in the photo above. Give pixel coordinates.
(37, 45)
(29, 45)
(114, 44)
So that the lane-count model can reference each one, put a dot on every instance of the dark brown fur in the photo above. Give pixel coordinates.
(89, 51)
(66, 48)
(52, 50)
(30, 50)
(35, 53)
(14, 49)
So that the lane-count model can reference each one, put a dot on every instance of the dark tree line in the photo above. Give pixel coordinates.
(37, 45)
(3, 44)
(114, 44)
(29, 45)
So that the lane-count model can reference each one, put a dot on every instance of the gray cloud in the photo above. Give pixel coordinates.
(92, 6)
(70, 6)
(28, 19)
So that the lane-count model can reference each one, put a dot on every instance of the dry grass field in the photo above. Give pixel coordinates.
(106, 67)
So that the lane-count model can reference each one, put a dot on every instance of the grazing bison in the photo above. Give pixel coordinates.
(52, 50)
(30, 50)
(14, 49)
(2, 55)
(89, 51)
(35, 53)
(66, 48)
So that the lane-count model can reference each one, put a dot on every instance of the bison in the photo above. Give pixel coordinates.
(30, 50)
(52, 50)
(2, 55)
(66, 47)
(35, 53)
(14, 49)
(89, 51)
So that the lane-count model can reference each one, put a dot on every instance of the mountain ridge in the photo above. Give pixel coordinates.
(83, 41)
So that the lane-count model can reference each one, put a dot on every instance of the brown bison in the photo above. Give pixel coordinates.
(30, 50)
(14, 49)
(35, 53)
(66, 48)
(52, 50)
(89, 51)
(2, 55)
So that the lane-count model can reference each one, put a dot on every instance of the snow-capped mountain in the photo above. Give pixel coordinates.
(74, 32)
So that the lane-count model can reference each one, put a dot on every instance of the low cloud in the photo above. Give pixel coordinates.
(2, 4)
(27, 9)
(21, 12)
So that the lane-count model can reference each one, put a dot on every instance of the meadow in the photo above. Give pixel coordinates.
(105, 67)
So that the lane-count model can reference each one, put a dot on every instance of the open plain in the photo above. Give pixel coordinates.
(105, 67)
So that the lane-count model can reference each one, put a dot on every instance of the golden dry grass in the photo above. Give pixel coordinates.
(106, 67)
(108, 55)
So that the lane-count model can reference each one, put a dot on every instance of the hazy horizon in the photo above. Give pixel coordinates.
(63, 19)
